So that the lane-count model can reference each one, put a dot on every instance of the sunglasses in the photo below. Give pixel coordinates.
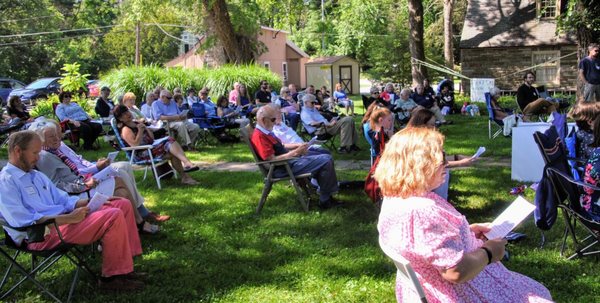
(271, 119)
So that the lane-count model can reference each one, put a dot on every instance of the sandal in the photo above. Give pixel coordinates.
(188, 169)
(152, 216)
(147, 228)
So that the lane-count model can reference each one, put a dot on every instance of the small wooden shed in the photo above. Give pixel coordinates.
(327, 71)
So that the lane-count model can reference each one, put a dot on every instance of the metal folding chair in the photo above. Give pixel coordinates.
(40, 261)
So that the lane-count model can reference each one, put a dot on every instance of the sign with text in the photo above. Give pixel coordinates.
(480, 86)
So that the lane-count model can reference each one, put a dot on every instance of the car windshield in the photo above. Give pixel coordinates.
(41, 83)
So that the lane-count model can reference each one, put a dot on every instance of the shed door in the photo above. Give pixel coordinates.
(346, 78)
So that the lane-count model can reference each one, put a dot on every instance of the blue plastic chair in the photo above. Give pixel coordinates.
(209, 123)
(492, 117)
(366, 127)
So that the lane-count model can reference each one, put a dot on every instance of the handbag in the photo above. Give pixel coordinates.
(371, 186)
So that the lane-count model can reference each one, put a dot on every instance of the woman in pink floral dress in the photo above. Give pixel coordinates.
(452, 259)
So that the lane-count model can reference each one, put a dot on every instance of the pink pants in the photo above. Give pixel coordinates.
(114, 224)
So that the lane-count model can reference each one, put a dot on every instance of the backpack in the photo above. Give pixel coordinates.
(371, 186)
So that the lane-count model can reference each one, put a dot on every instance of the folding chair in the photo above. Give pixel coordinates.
(327, 139)
(492, 117)
(406, 273)
(40, 260)
(366, 127)
(567, 192)
(267, 169)
(68, 132)
(209, 124)
(6, 130)
(152, 163)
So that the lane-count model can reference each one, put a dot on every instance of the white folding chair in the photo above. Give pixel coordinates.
(406, 272)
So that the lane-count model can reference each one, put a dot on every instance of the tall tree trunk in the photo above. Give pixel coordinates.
(448, 40)
(219, 25)
(415, 41)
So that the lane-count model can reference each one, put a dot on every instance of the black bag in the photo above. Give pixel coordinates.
(163, 168)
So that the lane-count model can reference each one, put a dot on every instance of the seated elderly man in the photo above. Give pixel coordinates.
(28, 197)
(312, 120)
(269, 147)
(289, 137)
(166, 109)
(62, 166)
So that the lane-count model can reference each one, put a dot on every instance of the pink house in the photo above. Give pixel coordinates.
(282, 57)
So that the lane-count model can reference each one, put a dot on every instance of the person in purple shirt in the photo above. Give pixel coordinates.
(167, 110)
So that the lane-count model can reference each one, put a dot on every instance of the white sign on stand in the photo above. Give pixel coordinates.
(480, 86)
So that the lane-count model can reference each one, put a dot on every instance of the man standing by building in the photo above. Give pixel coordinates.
(589, 72)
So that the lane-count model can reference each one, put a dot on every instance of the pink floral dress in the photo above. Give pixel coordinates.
(432, 235)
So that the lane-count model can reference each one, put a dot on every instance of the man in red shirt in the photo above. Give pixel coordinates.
(269, 147)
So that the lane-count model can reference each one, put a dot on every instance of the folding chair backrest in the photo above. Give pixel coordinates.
(488, 104)
(246, 134)
(542, 92)
(113, 125)
(366, 128)
(405, 272)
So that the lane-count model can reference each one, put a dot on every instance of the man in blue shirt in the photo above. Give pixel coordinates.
(28, 197)
(589, 72)
(209, 107)
(167, 110)
(312, 120)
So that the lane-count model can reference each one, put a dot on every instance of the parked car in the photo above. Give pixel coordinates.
(6, 86)
(93, 88)
(37, 89)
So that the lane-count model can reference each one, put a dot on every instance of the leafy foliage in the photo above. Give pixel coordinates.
(140, 80)
(45, 107)
(72, 80)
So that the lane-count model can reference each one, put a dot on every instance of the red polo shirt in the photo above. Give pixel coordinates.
(265, 145)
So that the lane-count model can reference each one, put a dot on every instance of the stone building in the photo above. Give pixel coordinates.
(501, 39)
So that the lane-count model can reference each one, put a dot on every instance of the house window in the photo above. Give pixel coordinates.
(547, 73)
(284, 71)
(547, 8)
(267, 65)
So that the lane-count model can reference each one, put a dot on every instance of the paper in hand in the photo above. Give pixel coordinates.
(112, 156)
(184, 112)
(97, 201)
(313, 140)
(511, 217)
(107, 172)
(478, 153)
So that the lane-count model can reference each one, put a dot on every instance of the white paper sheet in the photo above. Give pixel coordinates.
(106, 173)
(511, 217)
(97, 201)
(112, 156)
(479, 151)
(313, 140)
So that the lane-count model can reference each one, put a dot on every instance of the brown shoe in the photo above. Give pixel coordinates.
(121, 284)
(157, 218)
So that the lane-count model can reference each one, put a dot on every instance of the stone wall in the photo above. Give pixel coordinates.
(504, 65)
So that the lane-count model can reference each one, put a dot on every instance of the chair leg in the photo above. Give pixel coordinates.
(298, 189)
(265, 194)
(489, 129)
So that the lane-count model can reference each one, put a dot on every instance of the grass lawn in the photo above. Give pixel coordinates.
(216, 249)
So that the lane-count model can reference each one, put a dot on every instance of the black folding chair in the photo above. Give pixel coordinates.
(40, 260)
(567, 192)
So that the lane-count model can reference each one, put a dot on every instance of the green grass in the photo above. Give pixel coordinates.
(216, 249)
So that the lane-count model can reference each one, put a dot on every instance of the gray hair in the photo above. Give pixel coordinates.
(374, 90)
(21, 139)
(308, 98)
(494, 91)
(39, 127)
(406, 91)
(284, 89)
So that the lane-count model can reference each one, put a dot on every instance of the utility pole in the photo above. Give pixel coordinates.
(323, 21)
(137, 44)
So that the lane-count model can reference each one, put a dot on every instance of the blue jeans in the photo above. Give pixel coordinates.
(322, 169)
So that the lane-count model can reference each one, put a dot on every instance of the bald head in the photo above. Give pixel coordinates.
(266, 116)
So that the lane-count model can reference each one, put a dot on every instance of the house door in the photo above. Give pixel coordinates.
(346, 78)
